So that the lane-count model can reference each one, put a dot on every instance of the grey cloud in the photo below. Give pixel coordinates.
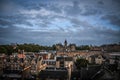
(89, 35)
(37, 5)
(3, 4)
(13, 34)
(42, 21)
(31, 5)
(90, 11)
(101, 2)
(73, 10)
(10, 20)
(42, 25)
(98, 36)
(8, 32)
(75, 21)
(55, 7)
(8, 7)
(117, 1)
(49, 37)
(5, 23)
(85, 10)
(61, 29)
(27, 36)
(107, 32)
(78, 23)
(115, 20)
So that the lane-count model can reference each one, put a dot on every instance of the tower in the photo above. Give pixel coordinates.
(65, 45)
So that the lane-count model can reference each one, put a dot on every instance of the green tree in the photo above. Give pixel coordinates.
(2, 50)
(83, 47)
(54, 47)
(80, 62)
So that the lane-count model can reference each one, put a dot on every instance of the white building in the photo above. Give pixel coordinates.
(99, 59)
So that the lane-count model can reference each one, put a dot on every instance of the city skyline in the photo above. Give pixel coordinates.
(48, 22)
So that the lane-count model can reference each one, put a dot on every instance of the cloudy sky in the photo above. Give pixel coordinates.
(48, 22)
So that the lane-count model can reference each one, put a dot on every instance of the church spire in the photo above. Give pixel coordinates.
(65, 43)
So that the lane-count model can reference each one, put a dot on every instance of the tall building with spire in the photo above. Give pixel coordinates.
(65, 46)
(65, 43)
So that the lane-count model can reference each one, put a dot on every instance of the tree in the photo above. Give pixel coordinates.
(3, 50)
(83, 47)
(54, 47)
(81, 63)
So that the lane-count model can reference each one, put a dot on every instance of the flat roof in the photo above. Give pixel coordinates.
(66, 58)
(12, 75)
(114, 54)
(52, 60)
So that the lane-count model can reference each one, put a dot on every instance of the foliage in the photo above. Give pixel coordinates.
(6, 49)
(83, 47)
(80, 62)
(3, 50)
(9, 49)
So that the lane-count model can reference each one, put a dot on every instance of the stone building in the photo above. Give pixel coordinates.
(64, 61)
(65, 47)
(99, 59)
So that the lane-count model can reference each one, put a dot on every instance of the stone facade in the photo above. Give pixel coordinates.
(65, 47)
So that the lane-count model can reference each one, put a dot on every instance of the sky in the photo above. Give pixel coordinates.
(47, 22)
